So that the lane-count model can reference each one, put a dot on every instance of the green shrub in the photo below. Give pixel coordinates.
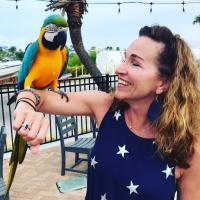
(74, 60)
(93, 55)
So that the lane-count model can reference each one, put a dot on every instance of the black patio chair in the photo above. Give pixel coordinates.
(2, 183)
(81, 145)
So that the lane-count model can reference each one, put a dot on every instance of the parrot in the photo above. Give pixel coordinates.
(44, 61)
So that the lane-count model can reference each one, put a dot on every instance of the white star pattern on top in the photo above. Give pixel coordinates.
(117, 115)
(103, 197)
(132, 188)
(93, 162)
(168, 171)
(122, 150)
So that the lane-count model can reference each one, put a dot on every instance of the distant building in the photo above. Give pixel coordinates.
(9, 71)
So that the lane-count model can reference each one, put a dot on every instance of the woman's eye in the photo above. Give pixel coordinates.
(136, 64)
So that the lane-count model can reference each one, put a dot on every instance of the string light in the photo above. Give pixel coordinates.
(139, 2)
(183, 3)
(119, 7)
(150, 3)
(16, 4)
(151, 9)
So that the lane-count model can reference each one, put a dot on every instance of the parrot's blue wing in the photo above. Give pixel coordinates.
(65, 64)
(29, 56)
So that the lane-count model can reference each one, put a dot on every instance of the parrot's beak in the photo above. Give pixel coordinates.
(62, 37)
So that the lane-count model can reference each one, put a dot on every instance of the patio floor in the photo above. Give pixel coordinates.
(36, 178)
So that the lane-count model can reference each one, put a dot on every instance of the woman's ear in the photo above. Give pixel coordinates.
(163, 86)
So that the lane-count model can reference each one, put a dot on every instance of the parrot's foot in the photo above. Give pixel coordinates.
(62, 94)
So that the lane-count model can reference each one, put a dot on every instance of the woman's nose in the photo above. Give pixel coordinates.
(121, 69)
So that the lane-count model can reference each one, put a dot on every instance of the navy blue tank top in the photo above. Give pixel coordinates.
(124, 166)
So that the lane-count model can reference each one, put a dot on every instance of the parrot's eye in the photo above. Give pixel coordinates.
(51, 28)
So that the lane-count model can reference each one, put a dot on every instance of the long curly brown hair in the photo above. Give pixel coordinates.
(179, 122)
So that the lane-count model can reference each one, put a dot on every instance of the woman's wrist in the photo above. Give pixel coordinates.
(24, 106)
(26, 100)
(31, 94)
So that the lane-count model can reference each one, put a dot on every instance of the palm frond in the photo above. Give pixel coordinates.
(60, 4)
(196, 20)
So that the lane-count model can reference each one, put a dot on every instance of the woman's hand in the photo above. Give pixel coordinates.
(31, 125)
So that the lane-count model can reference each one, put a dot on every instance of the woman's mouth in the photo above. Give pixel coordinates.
(122, 82)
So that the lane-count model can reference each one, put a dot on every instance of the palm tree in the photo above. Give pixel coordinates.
(75, 10)
(197, 20)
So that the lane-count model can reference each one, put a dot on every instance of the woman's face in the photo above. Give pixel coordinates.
(138, 74)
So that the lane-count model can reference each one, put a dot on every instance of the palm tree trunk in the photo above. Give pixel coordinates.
(74, 12)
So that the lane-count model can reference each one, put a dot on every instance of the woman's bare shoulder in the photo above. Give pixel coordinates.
(100, 102)
(189, 180)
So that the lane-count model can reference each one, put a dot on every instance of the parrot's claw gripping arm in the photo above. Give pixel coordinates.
(62, 94)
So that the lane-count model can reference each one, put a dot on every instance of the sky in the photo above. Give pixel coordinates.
(102, 26)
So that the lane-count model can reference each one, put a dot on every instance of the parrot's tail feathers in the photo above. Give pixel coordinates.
(12, 171)
(6, 195)
(15, 151)
(13, 162)
(12, 99)
(22, 150)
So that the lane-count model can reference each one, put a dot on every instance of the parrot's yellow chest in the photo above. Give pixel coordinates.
(46, 68)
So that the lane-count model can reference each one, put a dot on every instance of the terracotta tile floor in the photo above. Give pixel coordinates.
(36, 178)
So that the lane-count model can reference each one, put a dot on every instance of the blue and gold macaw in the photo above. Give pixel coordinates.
(45, 60)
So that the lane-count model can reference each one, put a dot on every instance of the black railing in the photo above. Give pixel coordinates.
(72, 84)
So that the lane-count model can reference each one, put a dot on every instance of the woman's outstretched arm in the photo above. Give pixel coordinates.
(80, 103)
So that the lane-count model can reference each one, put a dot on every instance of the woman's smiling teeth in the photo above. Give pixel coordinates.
(123, 82)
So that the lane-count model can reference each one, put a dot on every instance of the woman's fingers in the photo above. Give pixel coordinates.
(22, 112)
(18, 120)
(35, 149)
(35, 127)
(32, 126)
(40, 136)
(26, 126)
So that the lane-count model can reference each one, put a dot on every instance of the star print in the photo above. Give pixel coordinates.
(132, 188)
(168, 171)
(122, 150)
(103, 197)
(117, 115)
(93, 162)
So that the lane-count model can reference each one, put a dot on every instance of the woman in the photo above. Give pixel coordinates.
(148, 141)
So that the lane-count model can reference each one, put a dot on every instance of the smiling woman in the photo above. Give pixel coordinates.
(159, 75)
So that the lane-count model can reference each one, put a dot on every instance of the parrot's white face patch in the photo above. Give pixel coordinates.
(52, 30)
(49, 36)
